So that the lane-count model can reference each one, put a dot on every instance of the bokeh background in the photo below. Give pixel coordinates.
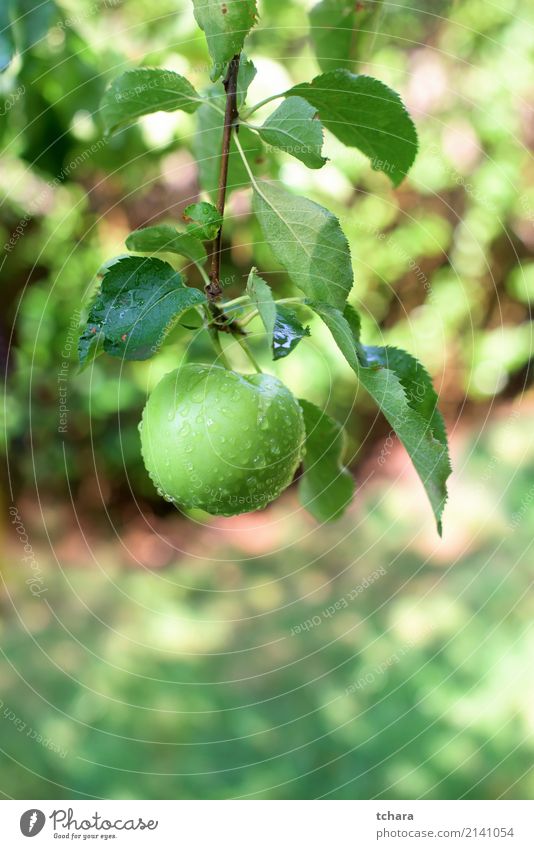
(145, 654)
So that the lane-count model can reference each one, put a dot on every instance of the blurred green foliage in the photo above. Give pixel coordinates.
(272, 661)
(199, 661)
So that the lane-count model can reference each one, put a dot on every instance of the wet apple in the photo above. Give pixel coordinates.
(221, 441)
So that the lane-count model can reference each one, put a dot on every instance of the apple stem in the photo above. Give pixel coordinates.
(248, 352)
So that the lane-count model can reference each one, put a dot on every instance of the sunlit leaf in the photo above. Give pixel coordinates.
(364, 113)
(308, 241)
(163, 237)
(144, 91)
(294, 128)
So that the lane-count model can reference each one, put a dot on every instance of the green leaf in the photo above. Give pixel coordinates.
(226, 24)
(287, 332)
(247, 72)
(307, 240)
(139, 302)
(284, 330)
(163, 237)
(417, 383)
(203, 221)
(294, 128)
(104, 268)
(364, 113)
(207, 146)
(7, 38)
(404, 393)
(326, 488)
(339, 31)
(143, 91)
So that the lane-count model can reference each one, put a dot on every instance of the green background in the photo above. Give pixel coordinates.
(267, 656)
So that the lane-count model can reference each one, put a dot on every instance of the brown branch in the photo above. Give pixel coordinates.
(231, 116)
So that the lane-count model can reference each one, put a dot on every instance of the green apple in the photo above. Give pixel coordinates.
(222, 441)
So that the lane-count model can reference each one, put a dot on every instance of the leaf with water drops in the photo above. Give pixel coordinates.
(287, 332)
(326, 486)
(166, 239)
(283, 327)
(203, 220)
(138, 304)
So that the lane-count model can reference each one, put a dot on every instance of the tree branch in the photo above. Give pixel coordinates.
(231, 115)
(222, 323)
